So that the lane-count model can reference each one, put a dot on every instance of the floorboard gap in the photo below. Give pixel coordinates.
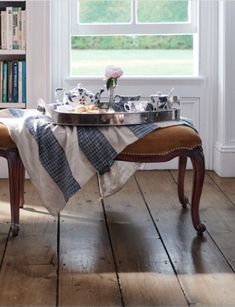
(58, 261)
(221, 252)
(216, 184)
(5, 248)
(163, 243)
(113, 255)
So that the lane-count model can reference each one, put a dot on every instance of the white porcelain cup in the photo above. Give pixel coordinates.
(135, 106)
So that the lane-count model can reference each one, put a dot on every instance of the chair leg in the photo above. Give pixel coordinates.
(181, 175)
(197, 158)
(15, 185)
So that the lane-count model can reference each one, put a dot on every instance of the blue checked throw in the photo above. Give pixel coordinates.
(61, 159)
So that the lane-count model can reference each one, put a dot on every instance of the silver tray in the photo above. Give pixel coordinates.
(113, 119)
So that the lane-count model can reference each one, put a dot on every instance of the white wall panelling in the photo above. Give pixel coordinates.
(191, 109)
(38, 51)
(224, 149)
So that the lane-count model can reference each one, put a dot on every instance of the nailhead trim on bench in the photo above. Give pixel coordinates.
(159, 154)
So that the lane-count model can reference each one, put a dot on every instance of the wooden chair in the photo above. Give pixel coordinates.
(160, 145)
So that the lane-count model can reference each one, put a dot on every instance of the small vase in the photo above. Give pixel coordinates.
(111, 96)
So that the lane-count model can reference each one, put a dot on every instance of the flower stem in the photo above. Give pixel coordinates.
(111, 94)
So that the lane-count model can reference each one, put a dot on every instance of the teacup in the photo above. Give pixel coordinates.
(160, 102)
(128, 101)
(164, 102)
(135, 106)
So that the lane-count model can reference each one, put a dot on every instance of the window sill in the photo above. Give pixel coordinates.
(127, 79)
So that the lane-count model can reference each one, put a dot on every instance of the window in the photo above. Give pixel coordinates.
(144, 37)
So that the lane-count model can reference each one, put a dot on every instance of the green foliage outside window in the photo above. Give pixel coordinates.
(155, 54)
(133, 42)
(113, 11)
(104, 11)
(162, 10)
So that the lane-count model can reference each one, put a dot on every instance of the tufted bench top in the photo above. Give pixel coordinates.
(165, 140)
(5, 140)
(159, 142)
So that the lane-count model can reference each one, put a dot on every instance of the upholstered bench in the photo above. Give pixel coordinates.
(16, 175)
(160, 145)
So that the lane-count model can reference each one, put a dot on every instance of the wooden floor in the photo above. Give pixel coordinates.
(137, 248)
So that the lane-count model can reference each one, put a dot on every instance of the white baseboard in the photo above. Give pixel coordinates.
(224, 160)
(3, 168)
(173, 164)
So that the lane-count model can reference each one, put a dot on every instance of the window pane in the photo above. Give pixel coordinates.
(104, 11)
(137, 55)
(162, 11)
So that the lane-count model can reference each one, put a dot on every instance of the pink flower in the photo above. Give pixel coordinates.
(112, 73)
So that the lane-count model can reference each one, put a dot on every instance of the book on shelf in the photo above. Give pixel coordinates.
(9, 25)
(16, 27)
(20, 81)
(24, 81)
(4, 82)
(1, 70)
(23, 30)
(3, 30)
(0, 31)
(10, 81)
(13, 28)
(13, 81)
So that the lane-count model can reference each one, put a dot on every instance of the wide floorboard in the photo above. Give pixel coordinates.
(135, 248)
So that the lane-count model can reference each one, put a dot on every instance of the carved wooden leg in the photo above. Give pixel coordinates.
(197, 158)
(22, 179)
(14, 167)
(181, 174)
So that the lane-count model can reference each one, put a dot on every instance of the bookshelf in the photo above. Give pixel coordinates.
(12, 54)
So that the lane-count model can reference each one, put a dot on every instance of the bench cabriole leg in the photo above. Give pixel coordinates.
(181, 175)
(22, 179)
(14, 165)
(198, 161)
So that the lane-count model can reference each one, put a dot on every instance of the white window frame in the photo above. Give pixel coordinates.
(70, 9)
(133, 27)
(60, 47)
(199, 92)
